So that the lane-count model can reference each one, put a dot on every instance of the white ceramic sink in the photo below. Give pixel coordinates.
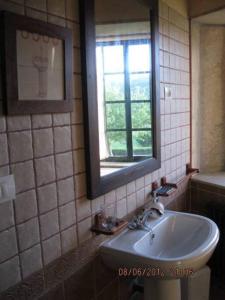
(182, 243)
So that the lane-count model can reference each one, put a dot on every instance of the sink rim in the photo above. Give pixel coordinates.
(211, 239)
(203, 249)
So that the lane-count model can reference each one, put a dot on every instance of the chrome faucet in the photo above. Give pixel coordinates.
(140, 221)
(156, 209)
(156, 205)
(146, 215)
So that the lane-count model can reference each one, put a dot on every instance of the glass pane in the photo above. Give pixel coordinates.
(115, 116)
(139, 58)
(113, 59)
(114, 87)
(142, 143)
(140, 86)
(141, 115)
(117, 142)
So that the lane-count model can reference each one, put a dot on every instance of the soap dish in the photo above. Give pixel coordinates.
(99, 228)
(166, 190)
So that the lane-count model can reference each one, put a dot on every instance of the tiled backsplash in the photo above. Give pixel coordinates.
(81, 274)
(51, 214)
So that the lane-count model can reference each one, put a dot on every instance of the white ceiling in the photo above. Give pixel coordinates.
(216, 18)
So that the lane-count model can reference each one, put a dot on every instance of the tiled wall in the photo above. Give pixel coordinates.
(45, 153)
(51, 214)
(81, 274)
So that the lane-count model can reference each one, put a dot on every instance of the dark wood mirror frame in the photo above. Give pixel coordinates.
(98, 185)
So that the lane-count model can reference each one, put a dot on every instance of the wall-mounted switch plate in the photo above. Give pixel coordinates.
(7, 188)
(168, 92)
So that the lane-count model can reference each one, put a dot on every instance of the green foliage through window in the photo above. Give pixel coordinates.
(127, 96)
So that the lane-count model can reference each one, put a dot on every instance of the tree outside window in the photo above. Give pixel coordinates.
(124, 84)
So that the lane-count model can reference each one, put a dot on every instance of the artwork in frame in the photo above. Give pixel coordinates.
(36, 66)
(40, 67)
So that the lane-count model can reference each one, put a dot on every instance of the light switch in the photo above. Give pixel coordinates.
(7, 188)
(168, 92)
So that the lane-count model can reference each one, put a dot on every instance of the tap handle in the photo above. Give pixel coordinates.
(154, 193)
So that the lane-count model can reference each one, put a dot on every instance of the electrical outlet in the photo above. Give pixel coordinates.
(7, 188)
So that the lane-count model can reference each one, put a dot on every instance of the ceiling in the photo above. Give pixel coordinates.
(216, 18)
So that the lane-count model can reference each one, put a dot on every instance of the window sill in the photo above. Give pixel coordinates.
(107, 168)
(107, 164)
(216, 179)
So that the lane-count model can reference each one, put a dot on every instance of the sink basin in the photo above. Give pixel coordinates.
(182, 244)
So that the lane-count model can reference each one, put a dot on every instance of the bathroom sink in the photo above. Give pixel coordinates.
(183, 241)
(179, 244)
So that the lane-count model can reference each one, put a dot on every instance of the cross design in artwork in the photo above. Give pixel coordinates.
(41, 63)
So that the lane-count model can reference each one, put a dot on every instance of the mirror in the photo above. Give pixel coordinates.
(119, 41)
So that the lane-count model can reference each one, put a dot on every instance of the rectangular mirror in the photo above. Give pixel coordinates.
(120, 58)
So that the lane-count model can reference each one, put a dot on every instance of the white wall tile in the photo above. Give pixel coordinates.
(43, 142)
(8, 244)
(64, 165)
(47, 197)
(67, 215)
(24, 176)
(45, 170)
(66, 190)
(31, 261)
(6, 215)
(28, 234)
(25, 206)
(4, 158)
(51, 249)
(69, 239)
(9, 273)
(18, 123)
(49, 224)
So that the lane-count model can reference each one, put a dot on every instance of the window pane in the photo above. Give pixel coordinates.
(117, 142)
(113, 59)
(140, 86)
(114, 87)
(141, 115)
(99, 60)
(115, 116)
(142, 143)
(139, 58)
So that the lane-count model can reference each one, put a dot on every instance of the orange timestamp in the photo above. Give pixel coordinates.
(155, 272)
(139, 272)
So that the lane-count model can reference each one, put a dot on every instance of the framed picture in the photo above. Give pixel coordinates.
(37, 66)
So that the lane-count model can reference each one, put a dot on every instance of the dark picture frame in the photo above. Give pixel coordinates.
(96, 184)
(11, 25)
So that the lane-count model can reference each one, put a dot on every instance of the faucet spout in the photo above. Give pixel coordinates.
(156, 204)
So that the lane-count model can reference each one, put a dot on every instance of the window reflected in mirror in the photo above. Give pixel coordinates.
(124, 83)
